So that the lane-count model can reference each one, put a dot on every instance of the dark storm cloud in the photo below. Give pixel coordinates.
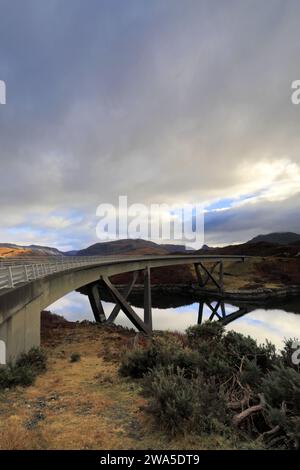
(165, 101)
(239, 224)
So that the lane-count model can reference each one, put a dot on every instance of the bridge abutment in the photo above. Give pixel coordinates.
(21, 332)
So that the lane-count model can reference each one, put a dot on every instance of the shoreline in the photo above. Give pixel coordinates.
(243, 295)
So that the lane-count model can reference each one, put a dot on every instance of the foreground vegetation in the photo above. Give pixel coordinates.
(194, 391)
(212, 382)
(24, 372)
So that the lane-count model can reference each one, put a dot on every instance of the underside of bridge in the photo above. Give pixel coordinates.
(212, 274)
(120, 298)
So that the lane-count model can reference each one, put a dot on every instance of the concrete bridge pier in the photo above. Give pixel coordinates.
(147, 299)
(21, 331)
(96, 304)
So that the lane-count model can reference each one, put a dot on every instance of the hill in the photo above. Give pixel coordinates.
(8, 251)
(277, 238)
(273, 244)
(11, 249)
(128, 247)
(253, 249)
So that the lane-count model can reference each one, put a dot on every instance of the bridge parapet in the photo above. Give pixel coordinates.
(15, 271)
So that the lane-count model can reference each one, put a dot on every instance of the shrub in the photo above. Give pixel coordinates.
(75, 357)
(282, 385)
(188, 384)
(208, 331)
(11, 376)
(251, 374)
(287, 352)
(35, 358)
(25, 370)
(136, 363)
(162, 351)
(183, 404)
(281, 388)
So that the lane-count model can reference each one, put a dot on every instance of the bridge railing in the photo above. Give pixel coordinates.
(14, 271)
(18, 271)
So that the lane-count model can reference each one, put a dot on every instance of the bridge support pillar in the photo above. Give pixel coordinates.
(96, 304)
(20, 332)
(206, 274)
(147, 298)
(125, 295)
(123, 305)
(200, 312)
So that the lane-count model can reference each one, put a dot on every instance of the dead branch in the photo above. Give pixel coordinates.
(239, 418)
(271, 432)
(239, 404)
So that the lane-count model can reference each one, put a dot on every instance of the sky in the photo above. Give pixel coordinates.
(164, 101)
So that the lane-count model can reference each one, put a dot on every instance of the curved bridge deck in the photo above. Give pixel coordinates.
(29, 285)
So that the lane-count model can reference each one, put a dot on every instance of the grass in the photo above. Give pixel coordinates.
(86, 404)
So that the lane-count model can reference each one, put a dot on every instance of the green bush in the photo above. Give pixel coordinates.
(75, 357)
(281, 389)
(183, 404)
(251, 374)
(282, 386)
(208, 331)
(25, 370)
(191, 385)
(35, 359)
(162, 351)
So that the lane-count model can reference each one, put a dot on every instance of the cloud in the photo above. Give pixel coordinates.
(163, 101)
(274, 325)
(241, 222)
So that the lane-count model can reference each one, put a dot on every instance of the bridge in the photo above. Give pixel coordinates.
(29, 285)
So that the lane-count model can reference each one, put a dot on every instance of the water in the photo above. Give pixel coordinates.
(178, 313)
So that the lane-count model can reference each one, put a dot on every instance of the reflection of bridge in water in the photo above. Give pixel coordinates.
(218, 312)
(220, 309)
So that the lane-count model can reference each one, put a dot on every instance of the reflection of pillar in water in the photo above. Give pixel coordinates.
(200, 312)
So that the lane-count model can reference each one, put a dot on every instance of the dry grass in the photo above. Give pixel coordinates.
(13, 435)
(85, 405)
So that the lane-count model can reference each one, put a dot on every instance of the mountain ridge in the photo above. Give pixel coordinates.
(277, 238)
(272, 244)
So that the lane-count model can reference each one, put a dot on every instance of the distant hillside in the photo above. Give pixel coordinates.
(124, 247)
(11, 249)
(273, 244)
(254, 249)
(45, 250)
(278, 238)
(176, 248)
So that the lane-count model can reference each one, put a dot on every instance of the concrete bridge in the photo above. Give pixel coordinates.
(29, 285)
